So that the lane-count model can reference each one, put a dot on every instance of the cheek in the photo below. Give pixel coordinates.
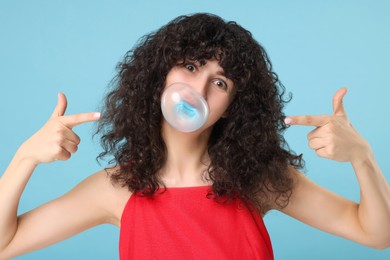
(174, 76)
(217, 106)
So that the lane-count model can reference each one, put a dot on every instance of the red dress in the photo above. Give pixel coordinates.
(182, 223)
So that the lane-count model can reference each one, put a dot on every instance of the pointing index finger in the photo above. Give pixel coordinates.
(77, 119)
(307, 120)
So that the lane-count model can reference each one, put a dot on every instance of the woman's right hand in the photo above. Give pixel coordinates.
(56, 139)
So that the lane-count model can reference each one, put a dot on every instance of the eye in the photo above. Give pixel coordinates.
(190, 67)
(221, 84)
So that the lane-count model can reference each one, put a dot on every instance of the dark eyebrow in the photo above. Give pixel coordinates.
(221, 73)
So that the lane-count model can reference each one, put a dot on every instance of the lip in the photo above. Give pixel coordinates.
(190, 100)
(192, 104)
(187, 109)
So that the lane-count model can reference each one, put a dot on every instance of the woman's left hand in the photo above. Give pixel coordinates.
(334, 136)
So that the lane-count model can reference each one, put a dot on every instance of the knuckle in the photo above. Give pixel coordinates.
(307, 118)
(77, 118)
(59, 130)
(65, 155)
(74, 149)
(77, 140)
(309, 136)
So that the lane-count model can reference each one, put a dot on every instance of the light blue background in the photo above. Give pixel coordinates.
(73, 47)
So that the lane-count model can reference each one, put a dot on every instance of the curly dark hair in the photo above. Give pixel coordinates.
(249, 155)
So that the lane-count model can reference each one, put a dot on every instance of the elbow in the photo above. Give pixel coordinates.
(379, 244)
(2, 253)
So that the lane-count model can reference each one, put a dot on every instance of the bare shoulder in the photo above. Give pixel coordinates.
(111, 197)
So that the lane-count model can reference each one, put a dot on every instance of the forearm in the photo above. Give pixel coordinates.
(374, 208)
(12, 185)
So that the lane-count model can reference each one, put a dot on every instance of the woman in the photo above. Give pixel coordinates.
(201, 194)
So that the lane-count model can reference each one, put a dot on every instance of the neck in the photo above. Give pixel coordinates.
(187, 157)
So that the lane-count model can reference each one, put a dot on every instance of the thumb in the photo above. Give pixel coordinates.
(60, 108)
(338, 107)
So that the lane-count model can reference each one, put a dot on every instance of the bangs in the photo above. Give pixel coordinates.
(203, 37)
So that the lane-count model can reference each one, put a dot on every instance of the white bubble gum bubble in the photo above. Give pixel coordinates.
(184, 108)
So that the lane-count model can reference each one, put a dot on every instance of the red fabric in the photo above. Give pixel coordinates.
(183, 224)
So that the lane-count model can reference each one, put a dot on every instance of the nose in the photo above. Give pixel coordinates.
(201, 85)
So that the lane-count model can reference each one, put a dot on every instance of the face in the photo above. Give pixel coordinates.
(209, 80)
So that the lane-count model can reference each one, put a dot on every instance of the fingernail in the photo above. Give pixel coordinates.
(96, 115)
(288, 120)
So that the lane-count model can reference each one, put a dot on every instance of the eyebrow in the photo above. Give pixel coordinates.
(221, 73)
